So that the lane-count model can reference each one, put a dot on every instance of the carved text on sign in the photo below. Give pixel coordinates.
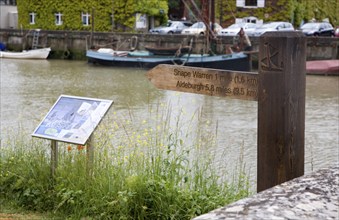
(239, 85)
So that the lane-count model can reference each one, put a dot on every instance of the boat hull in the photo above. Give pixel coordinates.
(28, 54)
(169, 51)
(322, 67)
(238, 62)
(126, 61)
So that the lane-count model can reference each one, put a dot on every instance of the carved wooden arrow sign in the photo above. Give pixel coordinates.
(213, 82)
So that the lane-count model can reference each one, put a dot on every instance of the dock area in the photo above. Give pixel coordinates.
(312, 196)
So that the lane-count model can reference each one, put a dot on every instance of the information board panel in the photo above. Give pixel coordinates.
(72, 119)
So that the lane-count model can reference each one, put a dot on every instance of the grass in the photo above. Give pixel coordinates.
(10, 211)
(155, 168)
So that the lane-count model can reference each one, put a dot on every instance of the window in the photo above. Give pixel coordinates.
(58, 18)
(251, 2)
(7, 2)
(112, 18)
(32, 18)
(85, 17)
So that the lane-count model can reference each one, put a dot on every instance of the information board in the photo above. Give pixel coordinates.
(72, 119)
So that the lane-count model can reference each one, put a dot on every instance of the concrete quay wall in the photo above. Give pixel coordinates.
(73, 44)
(313, 196)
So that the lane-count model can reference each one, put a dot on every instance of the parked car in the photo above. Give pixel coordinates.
(199, 28)
(172, 27)
(234, 29)
(336, 31)
(317, 29)
(272, 26)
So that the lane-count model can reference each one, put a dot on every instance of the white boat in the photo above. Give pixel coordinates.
(41, 53)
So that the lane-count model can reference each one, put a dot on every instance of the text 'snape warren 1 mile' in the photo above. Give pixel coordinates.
(211, 82)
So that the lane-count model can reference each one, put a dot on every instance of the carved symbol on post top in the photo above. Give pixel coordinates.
(271, 58)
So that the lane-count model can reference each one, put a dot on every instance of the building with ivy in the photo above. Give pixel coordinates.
(103, 15)
(294, 11)
(127, 15)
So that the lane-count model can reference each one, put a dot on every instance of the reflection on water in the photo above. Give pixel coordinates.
(29, 88)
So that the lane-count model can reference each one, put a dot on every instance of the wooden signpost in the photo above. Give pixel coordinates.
(204, 81)
(279, 89)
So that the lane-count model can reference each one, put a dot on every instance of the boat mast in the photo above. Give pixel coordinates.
(208, 17)
(205, 14)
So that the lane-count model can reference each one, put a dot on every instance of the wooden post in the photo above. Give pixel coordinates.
(250, 55)
(281, 108)
(54, 156)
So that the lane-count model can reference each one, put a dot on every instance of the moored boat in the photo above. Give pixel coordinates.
(141, 59)
(146, 59)
(41, 53)
(322, 67)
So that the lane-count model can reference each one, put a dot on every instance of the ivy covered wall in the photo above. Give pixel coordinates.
(294, 11)
(123, 11)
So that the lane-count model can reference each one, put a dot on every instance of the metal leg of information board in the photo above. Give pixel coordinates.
(89, 155)
(54, 156)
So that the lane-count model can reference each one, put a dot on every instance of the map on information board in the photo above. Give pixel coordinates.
(72, 119)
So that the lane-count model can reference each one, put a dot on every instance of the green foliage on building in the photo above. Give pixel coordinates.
(120, 14)
(294, 11)
(320, 9)
(105, 15)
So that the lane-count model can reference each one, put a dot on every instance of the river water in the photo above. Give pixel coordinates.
(29, 88)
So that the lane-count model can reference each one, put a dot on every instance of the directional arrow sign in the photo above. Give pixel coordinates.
(213, 82)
